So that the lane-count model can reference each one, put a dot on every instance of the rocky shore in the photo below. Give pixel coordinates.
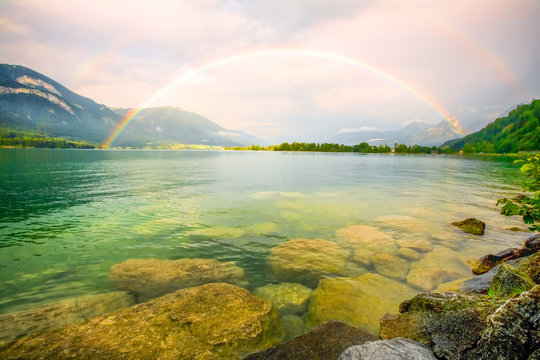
(352, 298)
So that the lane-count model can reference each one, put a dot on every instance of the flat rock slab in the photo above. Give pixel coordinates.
(151, 278)
(325, 342)
(359, 302)
(213, 321)
(306, 261)
(395, 349)
(62, 313)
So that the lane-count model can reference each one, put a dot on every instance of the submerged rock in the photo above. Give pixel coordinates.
(359, 302)
(150, 278)
(366, 238)
(403, 222)
(419, 245)
(306, 261)
(509, 281)
(325, 342)
(512, 331)
(293, 325)
(287, 298)
(62, 313)
(395, 349)
(409, 254)
(449, 323)
(471, 226)
(439, 266)
(213, 321)
(390, 266)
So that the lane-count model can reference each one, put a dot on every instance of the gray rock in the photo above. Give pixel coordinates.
(151, 278)
(395, 349)
(62, 313)
(512, 331)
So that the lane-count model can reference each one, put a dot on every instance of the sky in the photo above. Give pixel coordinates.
(287, 70)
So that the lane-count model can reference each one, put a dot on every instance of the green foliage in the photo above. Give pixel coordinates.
(519, 131)
(527, 204)
(35, 141)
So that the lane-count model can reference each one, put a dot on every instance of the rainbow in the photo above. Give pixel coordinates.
(436, 106)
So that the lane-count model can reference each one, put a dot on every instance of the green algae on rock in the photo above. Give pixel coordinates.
(530, 265)
(287, 298)
(359, 302)
(450, 323)
(306, 261)
(509, 281)
(325, 342)
(471, 226)
(62, 313)
(213, 321)
(150, 278)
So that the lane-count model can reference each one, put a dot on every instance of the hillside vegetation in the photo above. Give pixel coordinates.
(519, 131)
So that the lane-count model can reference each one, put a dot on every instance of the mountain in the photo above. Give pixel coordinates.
(519, 131)
(32, 103)
(416, 133)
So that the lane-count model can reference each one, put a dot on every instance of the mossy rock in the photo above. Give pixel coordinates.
(151, 278)
(509, 281)
(305, 261)
(213, 321)
(530, 265)
(359, 302)
(471, 226)
(287, 298)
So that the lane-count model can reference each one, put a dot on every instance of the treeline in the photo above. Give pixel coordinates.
(360, 148)
(43, 142)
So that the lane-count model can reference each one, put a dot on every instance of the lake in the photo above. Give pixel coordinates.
(67, 216)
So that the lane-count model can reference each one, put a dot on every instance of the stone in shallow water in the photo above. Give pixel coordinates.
(395, 349)
(287, 298)
(306, 261)
(367, 238)
(359, 302)
(363, 256)
(471, 226)
(150, 278)
(325, 342)
(403, 222)
(439, 266)
(62, 313)
(417, 244)
(213, 321)
(390, 266)
(409, 254)
(293, 325)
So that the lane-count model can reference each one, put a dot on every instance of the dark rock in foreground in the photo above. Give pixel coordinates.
(471, 226)
(395, 349)
(62, 313)
(325, 342)
(449, 323)
(150, 278)
(513, 331)
(214, 321)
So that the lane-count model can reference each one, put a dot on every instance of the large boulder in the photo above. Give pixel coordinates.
(439, 266)
(306, 261)
(509, 281)
(366, 238)
(359, 302)
(449, 323)
(471, 226)
(213, 321)
(395, 349)
(62, 313)
(325, 342)
(513, 331)
(287, 298)
(150, 278)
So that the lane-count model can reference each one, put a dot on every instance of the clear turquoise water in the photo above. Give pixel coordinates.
(66, 216)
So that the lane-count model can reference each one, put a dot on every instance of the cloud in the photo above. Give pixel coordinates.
(360, 129)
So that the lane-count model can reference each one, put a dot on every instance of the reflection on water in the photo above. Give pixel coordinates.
(67, 216)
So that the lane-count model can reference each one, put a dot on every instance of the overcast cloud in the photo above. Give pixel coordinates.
(475, 59)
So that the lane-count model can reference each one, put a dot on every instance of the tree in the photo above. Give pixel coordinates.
(527, 204)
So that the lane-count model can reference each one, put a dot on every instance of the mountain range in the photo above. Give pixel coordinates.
(32, 103)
